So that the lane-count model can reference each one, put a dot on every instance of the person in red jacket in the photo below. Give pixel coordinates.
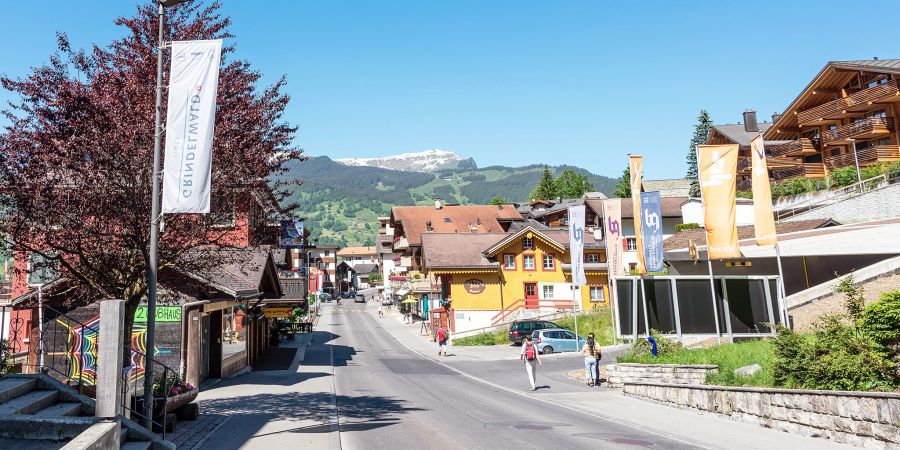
(443, 336)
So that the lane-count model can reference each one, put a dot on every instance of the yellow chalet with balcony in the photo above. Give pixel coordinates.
(490, 278)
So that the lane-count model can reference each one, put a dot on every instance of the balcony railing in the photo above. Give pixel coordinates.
(859, 100)
(881, 153)
(866, 128)
(807, 170)
(802, 146)
(745, 165)
(745, 185)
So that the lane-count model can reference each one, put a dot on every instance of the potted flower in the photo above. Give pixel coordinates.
(176, 392)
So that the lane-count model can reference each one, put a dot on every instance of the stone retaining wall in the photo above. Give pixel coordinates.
(619, 374)
(863, 419)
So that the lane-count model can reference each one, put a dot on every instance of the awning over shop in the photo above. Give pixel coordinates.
(403, 291)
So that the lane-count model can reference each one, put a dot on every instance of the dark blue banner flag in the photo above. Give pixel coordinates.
(291, 233)
(651, 228)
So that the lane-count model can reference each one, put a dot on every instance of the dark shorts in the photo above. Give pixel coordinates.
(442, 343)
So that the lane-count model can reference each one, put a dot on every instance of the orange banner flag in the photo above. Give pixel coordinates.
(763, 216)
(718, 184)
(635, 165)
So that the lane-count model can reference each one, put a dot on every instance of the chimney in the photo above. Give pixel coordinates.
(775, 117)
(478, 221)
(437, 203)
(428, 226)
(750, 123)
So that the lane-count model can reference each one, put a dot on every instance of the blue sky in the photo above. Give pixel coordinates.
(507, 82)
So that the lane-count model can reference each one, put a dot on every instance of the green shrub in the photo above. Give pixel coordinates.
(854, 296)
(881, 320)
(495, 338)
(597, 321)
(686, 226)
(844, 176)
(744, 194)
(664, 346)
(5, 357)
(893, 170)
(834, 356)
(795, 186)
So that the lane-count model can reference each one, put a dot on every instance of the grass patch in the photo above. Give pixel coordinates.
(727, 356)
(495, 338)
(597, 321)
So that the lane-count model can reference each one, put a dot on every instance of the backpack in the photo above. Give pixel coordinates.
(529, 352)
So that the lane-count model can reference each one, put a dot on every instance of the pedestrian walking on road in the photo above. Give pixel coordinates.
(591, 352)
(443, 335)
(532, 359)
(380, 310)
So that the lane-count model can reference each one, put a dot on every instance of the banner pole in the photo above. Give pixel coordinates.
(712, 285)
(154, 231)
(781, 290)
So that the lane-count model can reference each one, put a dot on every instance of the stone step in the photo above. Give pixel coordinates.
(11, 388)
(36, 428)
(29, 403)
(139, 445)
(60, 410)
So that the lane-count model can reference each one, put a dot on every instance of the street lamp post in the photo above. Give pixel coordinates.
(856, 160)
(154, 219)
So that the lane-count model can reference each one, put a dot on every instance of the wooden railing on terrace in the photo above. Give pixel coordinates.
(866, 127)
(293, 287)
(745, 185)
(836, 108)
(808, 170)
(881, 153)
(802, 146)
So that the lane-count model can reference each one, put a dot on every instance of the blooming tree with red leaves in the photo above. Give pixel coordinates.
(76, 156)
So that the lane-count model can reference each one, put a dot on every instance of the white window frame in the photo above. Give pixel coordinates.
(509, 261)
(547, 289)
(628, 244)
(592, 290)
(544, 261)
(525, 259)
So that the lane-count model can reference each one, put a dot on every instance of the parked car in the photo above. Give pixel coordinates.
(551, 340)
(387, 301)
(325, 297)
(521, 328)
(348, 294)
(359, 298)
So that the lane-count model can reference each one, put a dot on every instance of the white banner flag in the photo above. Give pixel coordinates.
(191, 116)
(576, 244)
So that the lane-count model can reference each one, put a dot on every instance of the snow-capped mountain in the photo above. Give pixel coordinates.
(427, 161)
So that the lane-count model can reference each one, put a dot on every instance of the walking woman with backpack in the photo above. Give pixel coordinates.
(591, 352)
(531, 357)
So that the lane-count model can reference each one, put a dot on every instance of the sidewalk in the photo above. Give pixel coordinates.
(269, 408)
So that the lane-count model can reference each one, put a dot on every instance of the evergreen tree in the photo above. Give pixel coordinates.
(572, 184)
(701, 132)
(498, 200)
(546, 187)
(623, 187)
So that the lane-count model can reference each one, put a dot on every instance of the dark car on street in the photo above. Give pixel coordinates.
(348, 294)
(359, 298)
(521, 328)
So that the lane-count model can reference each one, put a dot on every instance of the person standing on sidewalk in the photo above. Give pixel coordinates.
(591, 352)
(443, 335)
(381, 310)
(532, 359)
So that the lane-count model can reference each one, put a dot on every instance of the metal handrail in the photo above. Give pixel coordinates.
(164, 391)
(834, 194)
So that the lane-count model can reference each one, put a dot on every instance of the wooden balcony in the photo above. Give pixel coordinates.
(745, 165)
(798, 147)
(745, 185)
(864, 129)
(806, 170)
(881, 153)
(293, 288)
(858, 101)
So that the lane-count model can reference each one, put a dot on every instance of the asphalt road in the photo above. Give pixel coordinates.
(389, 396)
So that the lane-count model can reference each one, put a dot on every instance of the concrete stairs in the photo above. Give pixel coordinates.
(39, 412)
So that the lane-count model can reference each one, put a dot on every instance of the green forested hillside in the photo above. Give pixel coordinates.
(342, 203)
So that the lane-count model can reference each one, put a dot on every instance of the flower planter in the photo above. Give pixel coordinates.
(177, 401)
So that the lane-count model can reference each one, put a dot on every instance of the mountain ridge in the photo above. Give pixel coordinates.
(425, 161)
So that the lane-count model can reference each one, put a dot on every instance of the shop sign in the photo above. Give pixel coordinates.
(474, 286)
(163, 314)
(278, 313)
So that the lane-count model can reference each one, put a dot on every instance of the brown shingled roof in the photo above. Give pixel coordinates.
(682, 238)
(458, 250)
(450, 219)
(357, 251)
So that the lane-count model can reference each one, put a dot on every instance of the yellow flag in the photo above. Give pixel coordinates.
(763, 216)
(635, 164)
(718, 182)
